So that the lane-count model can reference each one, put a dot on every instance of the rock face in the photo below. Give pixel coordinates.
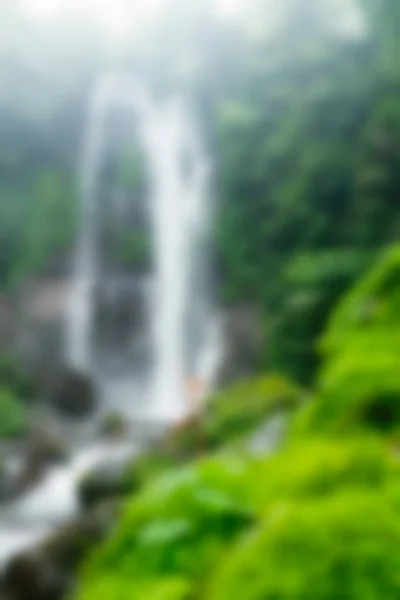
(244, 339)
(42, 305)
(29, 463)
(48, 572)
(73, 395)
(45, 448)
(104, 483)
(28, 577)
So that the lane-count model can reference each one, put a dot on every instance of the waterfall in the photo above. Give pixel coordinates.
(183, 324)
(185, 341)
(80, 314)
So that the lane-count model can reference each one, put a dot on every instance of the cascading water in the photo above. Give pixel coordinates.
(183, 322)
(180, 172)
(80, 315)
(184, 330)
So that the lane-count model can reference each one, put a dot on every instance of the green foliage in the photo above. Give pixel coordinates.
(107, 587)
(13, 377)
(316, 500)
(239, 410)
(242, 527)
(230, 417)
(232, 414)
(359, 384)
(37, 217)
(313, 283)
(344, 546)
(152, 464)
(319, 467)
(13, 417)
(177, 527)
(307, 126)
(372, 305)
(309, 171)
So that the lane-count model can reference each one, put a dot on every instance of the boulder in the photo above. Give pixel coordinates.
(104, 483)
(24, 466)
(30, 577)
(48, 572)
(46, 448)
(74, 395)
(114, 426)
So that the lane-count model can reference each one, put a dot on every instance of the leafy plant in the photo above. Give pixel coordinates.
(318, 549)
(177, 527)
(359, 384)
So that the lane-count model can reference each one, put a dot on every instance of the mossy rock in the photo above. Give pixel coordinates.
(104, 484)
(74, 395)
(114, 425)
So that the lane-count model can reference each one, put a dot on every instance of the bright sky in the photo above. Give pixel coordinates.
(110, 12)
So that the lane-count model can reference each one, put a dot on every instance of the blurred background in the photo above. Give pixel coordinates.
(199, 300)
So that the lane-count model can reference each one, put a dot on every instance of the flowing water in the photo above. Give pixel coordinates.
(183, 330)
(183, 324)
(80, 314)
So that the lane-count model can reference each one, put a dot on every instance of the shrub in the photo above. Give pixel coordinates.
(229, 417)
(178, 526)
(343, 546)
(243, 407)
(107, 588)
(319, 467)
(359, 384)
(256, 528)
(13, 417)
(236, 412)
